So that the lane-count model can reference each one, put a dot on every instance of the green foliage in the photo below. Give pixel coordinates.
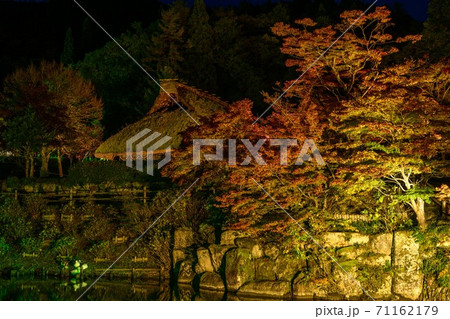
(101, 249)
(438, 267)
(31, 245)
(14, 223)
(63, 246)
(34, 206)
(13, 182)
(126, 91)
(25, 134)
(424, 193)
(49, 231)
(4, 247)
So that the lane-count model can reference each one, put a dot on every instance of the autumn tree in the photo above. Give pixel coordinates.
(349, 76)
(393, 140)
(64, 103)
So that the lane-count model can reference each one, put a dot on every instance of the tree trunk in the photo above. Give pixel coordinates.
(418, 206)
(31, 174)
(27, 167)
(60, 168)
(45, 153)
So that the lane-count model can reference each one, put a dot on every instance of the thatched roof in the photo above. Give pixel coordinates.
(165, 117)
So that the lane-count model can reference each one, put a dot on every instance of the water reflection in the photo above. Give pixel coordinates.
(54, 290)
(106, 290)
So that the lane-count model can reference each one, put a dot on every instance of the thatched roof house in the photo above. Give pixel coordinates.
(165, 117)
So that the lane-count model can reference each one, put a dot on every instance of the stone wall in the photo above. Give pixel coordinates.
(387, 266)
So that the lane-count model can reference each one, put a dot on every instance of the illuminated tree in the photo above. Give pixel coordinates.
(63, 102)
(25, 136)
(393, 139)
(379, 131)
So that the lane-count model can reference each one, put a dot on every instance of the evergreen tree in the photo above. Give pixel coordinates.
(437, 30)
(169, 44)
(200, 63)
(87, 36)
(68, 54)
(126, 91)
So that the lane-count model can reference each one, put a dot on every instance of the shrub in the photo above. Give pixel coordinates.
(31, 245)
(14, 223)
(100, 172)
(35, 206)
(64, 246)
(4, 247)
(13, 182)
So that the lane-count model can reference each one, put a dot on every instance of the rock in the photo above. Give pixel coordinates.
(346, 285)
(28, 188)
(381, 244)
(271, 289)
(408, 279)
(307, 290)
(184, 238)
(239, 268)
(217, 252)
(335, 239)
(207, 234)
(265, 269)
(49, 188)
(185, 293)
(228, 237)
(243, 242)
(271, 250)
(287, 266)
(204, 261)
(178, 255)
(253, 244)
(383, 289)
(186, 273)
(348, 253)
(211, 281)
(374, 260)
(209, 295)
(257, 251)
(232, 297)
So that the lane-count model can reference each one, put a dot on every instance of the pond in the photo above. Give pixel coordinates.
(30, 289)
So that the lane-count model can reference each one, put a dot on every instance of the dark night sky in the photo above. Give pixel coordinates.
(417, 8)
